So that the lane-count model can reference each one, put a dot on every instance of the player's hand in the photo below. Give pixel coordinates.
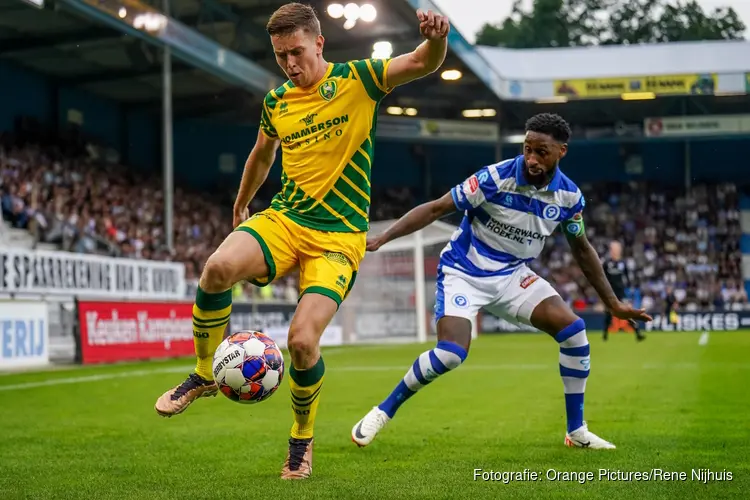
(624, 311)
(433, 26)
(374, 243)
(240, 215)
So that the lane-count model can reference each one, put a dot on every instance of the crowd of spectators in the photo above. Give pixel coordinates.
(673, 240)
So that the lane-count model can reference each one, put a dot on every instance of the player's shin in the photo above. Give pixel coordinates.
(305, 386)
(575, 361)
(428, 366)
(210, 318)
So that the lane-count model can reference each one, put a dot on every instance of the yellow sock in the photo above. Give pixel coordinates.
(305, 386)
(210, 319)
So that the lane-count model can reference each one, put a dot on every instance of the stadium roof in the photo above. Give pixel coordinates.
(79, 52)
(604, 61)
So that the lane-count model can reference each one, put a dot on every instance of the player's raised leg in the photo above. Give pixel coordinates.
(456, 306)
(553, 316)
(244, 254)
(240, 255)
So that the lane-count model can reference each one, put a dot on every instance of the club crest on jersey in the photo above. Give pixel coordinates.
(551, 212)
(327, 89)
(460, 300)
(528, 281)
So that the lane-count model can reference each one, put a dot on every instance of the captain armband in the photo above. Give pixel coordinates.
(574, 226)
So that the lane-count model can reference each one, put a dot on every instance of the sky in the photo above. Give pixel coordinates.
(469, 15)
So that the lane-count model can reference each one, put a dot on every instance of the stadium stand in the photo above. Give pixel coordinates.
(689, 241)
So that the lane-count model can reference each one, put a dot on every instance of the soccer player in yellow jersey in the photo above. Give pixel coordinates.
(323, 118)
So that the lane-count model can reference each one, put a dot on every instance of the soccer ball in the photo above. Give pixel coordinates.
(248, 367)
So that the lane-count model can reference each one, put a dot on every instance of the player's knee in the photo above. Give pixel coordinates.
(218, 274)
(451, 354)
(303, 342)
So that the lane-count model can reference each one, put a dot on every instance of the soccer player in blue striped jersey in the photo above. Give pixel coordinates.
(510, 209)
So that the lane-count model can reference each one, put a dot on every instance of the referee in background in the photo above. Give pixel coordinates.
(617, 275)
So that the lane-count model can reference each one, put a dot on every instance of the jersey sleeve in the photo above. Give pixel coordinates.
(572, 224)
(373, 74)
(475, 190)
(266, 126)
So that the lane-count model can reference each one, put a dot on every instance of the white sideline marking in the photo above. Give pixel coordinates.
(704, 339)
(376, 368)
(93, 378)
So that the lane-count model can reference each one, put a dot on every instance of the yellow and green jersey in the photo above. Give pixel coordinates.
(327, 135)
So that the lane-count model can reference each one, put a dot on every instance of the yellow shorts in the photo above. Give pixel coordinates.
(328, 262)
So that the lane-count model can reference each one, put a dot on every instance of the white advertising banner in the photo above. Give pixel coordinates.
(67, 273)
(437, 130)
(24, 335)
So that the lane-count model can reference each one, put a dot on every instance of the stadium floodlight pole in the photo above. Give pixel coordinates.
(419, 287)
(167, 141)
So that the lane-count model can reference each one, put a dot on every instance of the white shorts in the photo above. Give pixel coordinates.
(513, 297)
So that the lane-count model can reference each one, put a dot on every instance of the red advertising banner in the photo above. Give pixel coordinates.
(130, 331)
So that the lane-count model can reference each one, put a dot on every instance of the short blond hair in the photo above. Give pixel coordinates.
(292, 17)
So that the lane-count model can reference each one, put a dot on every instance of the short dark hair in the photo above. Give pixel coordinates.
(551, 124)
(292, 17)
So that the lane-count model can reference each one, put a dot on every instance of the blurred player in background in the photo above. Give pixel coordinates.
(619, 279)
(323, 118)
(670, 306)
(510, 209)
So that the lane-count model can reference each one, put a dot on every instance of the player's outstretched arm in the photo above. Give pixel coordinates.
(588, 260)
(427, 57)
(414, 220)
(258, 164)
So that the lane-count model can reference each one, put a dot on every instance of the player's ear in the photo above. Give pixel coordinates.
(319, 42)
(563, 150)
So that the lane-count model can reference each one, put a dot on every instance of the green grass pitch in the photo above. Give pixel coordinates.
(667, 403)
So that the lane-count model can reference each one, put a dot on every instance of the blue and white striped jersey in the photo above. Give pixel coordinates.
(507, 220)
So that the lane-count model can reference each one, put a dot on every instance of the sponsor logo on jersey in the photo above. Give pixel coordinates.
(473, 184)
(328, 89)
(514, 233)
(309, 119)
(528, 281)
(318, 127)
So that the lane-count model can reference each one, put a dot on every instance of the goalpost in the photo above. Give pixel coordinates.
(394, 294)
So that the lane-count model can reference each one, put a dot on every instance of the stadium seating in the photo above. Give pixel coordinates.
(686, 241)
(689, 242)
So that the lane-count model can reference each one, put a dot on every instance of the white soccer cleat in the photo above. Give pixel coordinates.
(583, 438)
(366, 429)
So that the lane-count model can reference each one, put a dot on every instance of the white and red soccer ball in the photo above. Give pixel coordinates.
(248, 367)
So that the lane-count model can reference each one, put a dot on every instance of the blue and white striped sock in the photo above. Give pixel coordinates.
(445, 357)
(575, 361)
